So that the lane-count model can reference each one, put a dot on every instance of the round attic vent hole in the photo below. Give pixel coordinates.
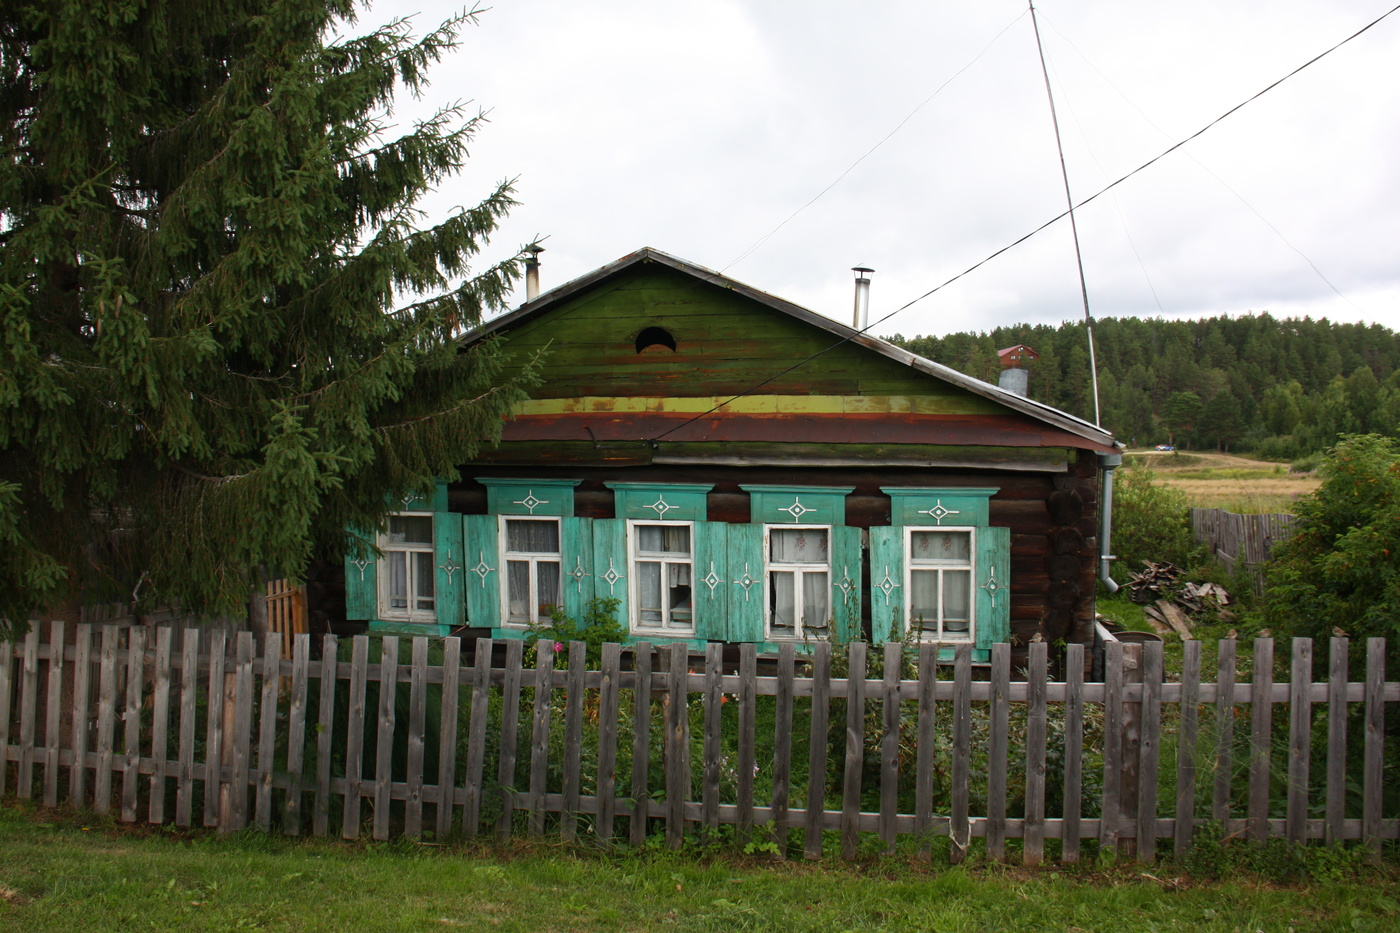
(655, 337)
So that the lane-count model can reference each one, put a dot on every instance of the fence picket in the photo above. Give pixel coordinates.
(889, 745)
(417, 725)
(384, 733)
(609, 708)
(241, 735)
(960, 827)
(782, 749)
(1261, 731)
(1033, 847)
(267, 728)
(160, 725)
(1224, 731)
(539, 737)
(28, 710)
(677, 744)
(641, 741)
(473, 781)
(296, 733)
(1372, 772)
(573, 739)
(855, 749)
(328, 672)
(1336, 739)
(7, 658)
(53, 710)
(816, 754)
(106, 717)
(1149, 752)
(714, 723)
(1299, 739)
(81, 720)
(131, 717)
(1186, 747)
(748, 713)
(355, 739)
(510, 727)
(447, 733)
(924, 753)
(997, 745)
(1074, 753)
(189, 691)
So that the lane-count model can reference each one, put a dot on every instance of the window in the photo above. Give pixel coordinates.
(663, 577)
(798, 570)
(530, 549)
(938, 582)
(406, 591)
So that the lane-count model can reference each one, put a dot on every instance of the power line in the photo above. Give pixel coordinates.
(1019, 240)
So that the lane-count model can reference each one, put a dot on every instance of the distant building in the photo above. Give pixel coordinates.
(1017, 357)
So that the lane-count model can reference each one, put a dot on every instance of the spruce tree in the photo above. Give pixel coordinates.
(226, 334)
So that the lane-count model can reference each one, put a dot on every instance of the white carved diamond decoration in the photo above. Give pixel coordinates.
(578, 574)
(482, 569)
(530, 502)
(887, 586)
(847, 586)
(938, 512)
(797, 509)
(449, 566)
(611, 577)
(661, 506)
(746, 581)
(362, 563)
(992, 586)
(711, 579)
(408, 499)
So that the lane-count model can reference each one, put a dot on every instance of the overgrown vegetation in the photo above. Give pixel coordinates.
(1151, 521)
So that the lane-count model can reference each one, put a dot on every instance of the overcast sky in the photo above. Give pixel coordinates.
(699, 128)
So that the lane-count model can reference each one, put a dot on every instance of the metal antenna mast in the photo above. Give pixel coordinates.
(1073, 226)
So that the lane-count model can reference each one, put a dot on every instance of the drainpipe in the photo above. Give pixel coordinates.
(1108, 463)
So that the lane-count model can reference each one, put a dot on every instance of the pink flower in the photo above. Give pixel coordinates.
(558, 647)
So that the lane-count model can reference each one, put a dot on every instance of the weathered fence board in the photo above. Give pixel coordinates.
(966, 734)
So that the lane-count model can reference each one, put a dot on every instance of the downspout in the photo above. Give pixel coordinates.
(1108, 463)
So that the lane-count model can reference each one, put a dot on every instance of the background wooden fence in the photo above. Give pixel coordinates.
(413, 738)
(1230, 535)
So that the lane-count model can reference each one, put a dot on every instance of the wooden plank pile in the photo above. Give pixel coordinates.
(1172, 602)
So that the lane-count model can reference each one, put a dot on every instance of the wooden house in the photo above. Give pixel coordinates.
(728, 466)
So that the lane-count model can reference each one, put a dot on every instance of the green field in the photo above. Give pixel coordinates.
(60, 873)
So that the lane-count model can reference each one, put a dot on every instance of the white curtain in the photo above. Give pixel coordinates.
(798, 545)
(663, 539)
(525, 537)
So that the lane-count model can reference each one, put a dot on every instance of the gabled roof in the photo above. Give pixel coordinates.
(546, 301)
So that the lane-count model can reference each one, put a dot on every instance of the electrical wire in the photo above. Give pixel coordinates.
(1023, 238)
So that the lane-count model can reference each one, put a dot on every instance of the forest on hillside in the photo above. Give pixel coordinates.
(1280, 388)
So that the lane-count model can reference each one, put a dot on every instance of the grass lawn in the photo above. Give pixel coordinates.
(60, 873)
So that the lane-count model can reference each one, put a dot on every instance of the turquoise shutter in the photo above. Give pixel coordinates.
(361, 580)
(845, 582)
(887, 617)
(576, 565)
(993, 582)
(482, 579)
(747, 592)
(450, 574)
(610, 574)
(709, 591)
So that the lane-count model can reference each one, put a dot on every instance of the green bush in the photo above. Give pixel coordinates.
(1150, 522)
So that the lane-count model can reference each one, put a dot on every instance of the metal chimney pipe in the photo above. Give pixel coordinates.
(532, 272)
(862, 311)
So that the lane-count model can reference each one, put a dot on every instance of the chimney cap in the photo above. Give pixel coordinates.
(861, 269)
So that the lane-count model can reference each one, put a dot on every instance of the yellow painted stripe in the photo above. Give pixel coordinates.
(761, 404)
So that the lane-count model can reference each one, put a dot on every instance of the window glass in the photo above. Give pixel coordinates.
(941, 545)
(406, 569)
(939, 588)
(410, 529)
(532, 574)
(799, 588)
(663, 574)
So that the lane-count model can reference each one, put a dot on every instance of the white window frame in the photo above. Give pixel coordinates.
(534, 559)
(798, 630)
(635, 584)
(387, 547)
(939, 636)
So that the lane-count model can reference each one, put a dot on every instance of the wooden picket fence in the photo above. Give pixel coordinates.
(1230, 536)
(359, 737)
